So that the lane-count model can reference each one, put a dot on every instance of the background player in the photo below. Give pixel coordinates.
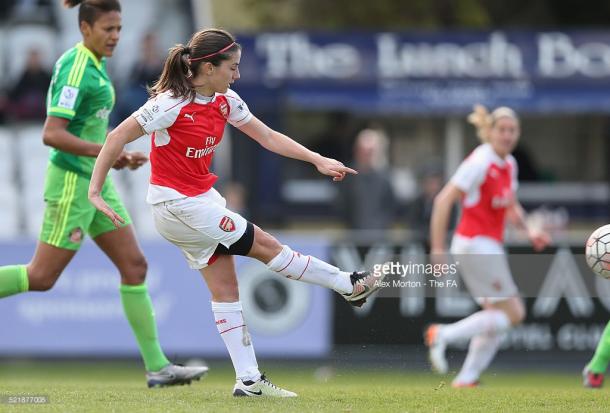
(187, 115)
(79, 101)
(486, 184)
(593, 374)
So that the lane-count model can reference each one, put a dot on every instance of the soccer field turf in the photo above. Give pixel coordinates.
(120, 387)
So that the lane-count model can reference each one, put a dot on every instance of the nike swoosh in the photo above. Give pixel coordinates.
(257, 393)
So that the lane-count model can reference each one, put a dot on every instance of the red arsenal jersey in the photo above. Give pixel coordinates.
(184, 136)
(489, 184)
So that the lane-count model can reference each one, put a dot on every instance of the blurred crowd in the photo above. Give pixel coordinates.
(367, 203)
(24, 98)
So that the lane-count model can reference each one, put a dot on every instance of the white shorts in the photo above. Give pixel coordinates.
(484, 268)
(198, 224)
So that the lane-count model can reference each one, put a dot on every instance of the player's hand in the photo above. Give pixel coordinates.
(136, 159)
(99, 203)
(122, 161)
(540, 239)
(334, 168)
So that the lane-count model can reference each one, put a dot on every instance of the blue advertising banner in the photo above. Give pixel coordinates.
(430, 73)
(82, 315)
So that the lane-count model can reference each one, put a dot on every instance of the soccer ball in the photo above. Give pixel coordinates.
(597, 251)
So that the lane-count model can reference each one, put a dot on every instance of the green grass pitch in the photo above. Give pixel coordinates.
(120, 387)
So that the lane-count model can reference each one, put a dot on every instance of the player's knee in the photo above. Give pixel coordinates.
(134, 273)
(517, 313)
(42, 284)
(41, 279)
(266, 242)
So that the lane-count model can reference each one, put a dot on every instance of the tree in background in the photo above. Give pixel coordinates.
(412, 14)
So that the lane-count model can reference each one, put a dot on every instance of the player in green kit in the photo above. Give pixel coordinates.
(593, 374)
(79, 101)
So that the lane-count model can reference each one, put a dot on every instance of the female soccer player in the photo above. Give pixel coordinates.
(186, 116)
(79, 101)
(485, 183)
(593, 374)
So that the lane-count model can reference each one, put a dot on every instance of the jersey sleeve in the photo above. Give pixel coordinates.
(66, 92)
(470, 174)
(239, 113)
(158, 113)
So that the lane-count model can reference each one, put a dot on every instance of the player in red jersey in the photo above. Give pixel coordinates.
(486, 184)
(186, 116)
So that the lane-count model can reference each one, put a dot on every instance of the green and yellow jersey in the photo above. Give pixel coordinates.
(80, 91)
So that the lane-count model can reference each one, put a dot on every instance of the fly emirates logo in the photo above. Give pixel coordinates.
(503, 200)
(196, 153)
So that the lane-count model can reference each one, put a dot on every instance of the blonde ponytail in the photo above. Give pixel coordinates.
(484, 121)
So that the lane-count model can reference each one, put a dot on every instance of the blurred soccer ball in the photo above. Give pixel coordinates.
(597, 251)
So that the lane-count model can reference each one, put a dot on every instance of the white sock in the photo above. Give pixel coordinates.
(481, 322)
(481, 351)
(311, 270)
(233, 330)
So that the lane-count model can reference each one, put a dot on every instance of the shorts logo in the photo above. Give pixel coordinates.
(76, 235)
(227, 224)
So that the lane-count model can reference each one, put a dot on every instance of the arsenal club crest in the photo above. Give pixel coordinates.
(227, 224)
(224, 109)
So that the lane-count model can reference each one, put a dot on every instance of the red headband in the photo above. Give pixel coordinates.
(224, 49)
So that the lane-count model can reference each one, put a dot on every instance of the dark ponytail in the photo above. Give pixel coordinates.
(183, 62)
(175, 75)
(90, 10)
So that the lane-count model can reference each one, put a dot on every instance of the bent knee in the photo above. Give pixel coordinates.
(134, 272)
(41, 279)
(517, 314)
(265, 246)
(266, 240)
(519, 317)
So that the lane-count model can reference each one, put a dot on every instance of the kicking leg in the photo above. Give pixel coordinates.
(355, 287)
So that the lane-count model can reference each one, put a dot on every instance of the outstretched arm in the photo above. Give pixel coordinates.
(283, 145)
(129, 130)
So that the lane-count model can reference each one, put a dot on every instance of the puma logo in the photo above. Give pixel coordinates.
(189, 116)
